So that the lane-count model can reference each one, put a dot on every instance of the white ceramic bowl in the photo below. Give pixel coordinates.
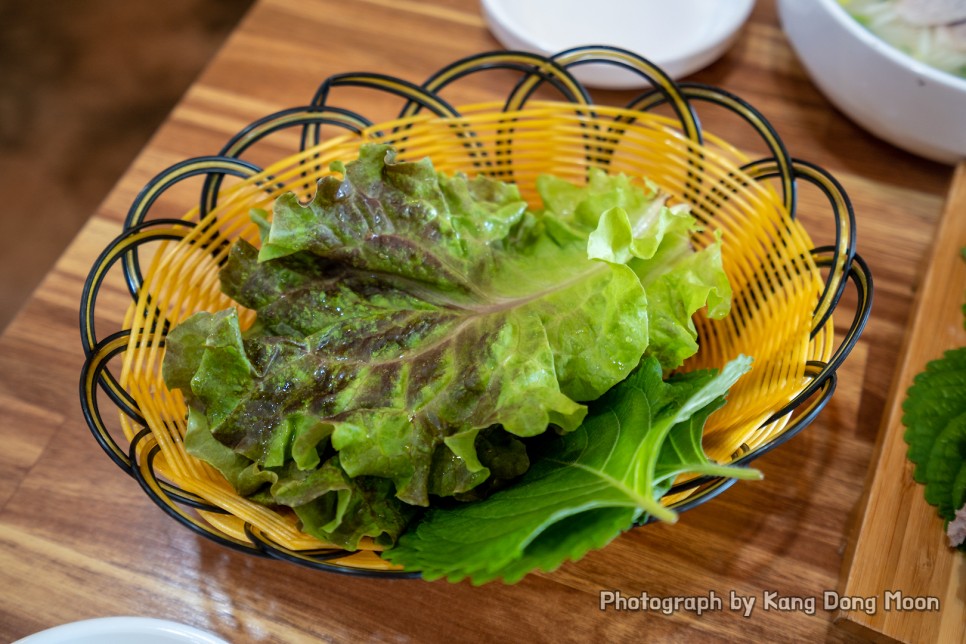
(679, 36)
(123, 630)
(896, 97)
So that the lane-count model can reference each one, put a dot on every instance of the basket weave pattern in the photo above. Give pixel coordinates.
(785, 290)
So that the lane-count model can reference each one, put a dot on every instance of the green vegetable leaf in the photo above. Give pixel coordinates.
(934, 399)
(584, 488)
(626, 225)
(401, 312)
(946, 459)
(411, 328)
(959, 487)
(934, 414)
(341, 510)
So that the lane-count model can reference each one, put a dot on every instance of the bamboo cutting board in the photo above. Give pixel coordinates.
(899, 552)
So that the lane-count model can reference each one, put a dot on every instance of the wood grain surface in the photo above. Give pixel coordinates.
(78, 539)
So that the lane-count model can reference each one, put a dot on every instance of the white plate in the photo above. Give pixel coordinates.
(680, 36)
(122, 630)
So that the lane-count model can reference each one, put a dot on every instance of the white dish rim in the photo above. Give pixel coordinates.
(736, 11)
(128, 627)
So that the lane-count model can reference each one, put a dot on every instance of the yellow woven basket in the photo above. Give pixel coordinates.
(784, 288)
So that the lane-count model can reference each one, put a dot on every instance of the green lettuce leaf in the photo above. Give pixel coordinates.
(341, 510)
(331, 506)
(417, 326)
(626, 225)
(585, 488)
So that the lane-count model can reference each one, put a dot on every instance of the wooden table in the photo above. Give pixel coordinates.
(78, 539)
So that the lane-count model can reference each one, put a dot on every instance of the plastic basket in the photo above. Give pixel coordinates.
(785, 288)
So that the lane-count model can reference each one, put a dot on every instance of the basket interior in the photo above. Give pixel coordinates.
(776, 283)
